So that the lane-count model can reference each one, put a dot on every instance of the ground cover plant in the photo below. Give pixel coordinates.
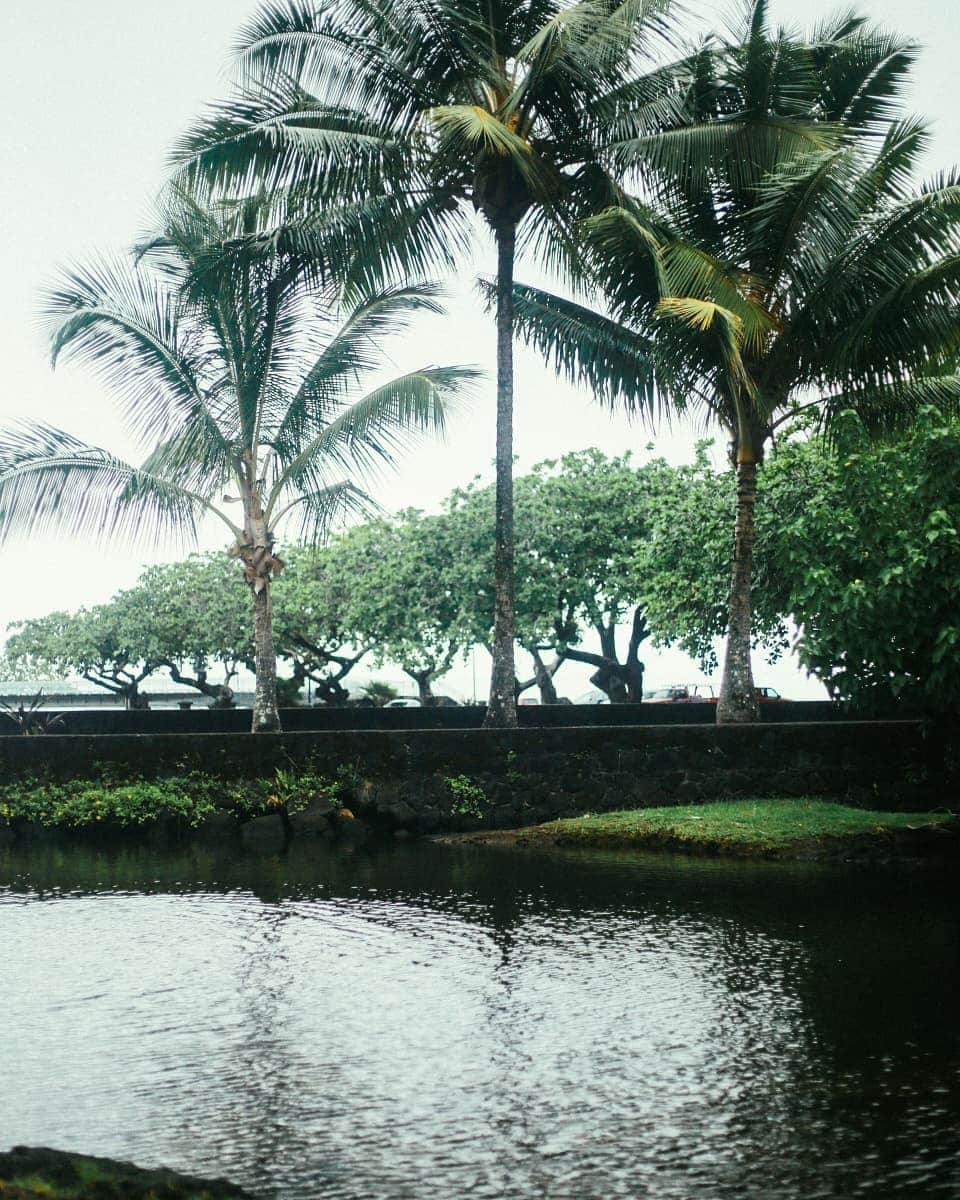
(738, 826)
(111, 799)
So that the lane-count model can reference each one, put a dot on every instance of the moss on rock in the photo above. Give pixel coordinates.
(36, 1173)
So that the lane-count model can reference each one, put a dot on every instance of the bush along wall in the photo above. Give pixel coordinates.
(265, 790)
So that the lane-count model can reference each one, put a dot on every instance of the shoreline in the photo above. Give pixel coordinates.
(825, 831)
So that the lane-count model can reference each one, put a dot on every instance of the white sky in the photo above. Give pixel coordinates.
(93, 93)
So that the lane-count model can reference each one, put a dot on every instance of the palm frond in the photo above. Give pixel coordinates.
(52, 481)
(373, 428)
(354, 350)
(110, 316)
(890, 409)
(617, 365)
(313, 514)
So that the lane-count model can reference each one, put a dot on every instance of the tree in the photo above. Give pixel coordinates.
(872, 558)
(682, 569)
(781, 259)
(576, 562)
(407, 603)
(316, 628)
(235, 371)
(102, 644)
(191, 616)
(857, 548)
(381, 122)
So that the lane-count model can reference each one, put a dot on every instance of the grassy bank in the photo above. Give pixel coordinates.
(781, 828)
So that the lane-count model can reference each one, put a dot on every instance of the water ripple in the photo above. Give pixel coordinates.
(423, 1025)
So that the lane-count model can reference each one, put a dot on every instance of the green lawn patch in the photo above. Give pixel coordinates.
(777, 827)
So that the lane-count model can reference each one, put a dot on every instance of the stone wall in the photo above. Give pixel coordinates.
(428, 780)
(320, 719)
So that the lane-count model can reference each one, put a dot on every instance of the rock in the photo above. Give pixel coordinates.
(401, 814)
(264, 834)
(354, 831)
(52, 1174)
(220, 826)
(429, 819)
(314, 820)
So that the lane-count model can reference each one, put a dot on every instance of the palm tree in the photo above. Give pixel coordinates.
(406, 113)
(792, 266)
(238, 376)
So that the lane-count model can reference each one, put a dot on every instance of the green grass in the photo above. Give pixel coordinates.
(737, 825)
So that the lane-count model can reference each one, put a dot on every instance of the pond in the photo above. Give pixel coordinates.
(423, 1021)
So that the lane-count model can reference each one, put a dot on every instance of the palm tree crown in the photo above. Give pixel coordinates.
(792, 263)
(380, 125)
(236, 373)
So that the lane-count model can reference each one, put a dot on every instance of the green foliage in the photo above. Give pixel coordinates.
(856, 543)
(121, 799)
(738, 825)
(81, 803)
(380, 692)
(467, 799)
(102, 644)
(682, 570)
(28, 719)
(872, 557)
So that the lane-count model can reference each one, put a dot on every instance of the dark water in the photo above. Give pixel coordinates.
(428, 1022)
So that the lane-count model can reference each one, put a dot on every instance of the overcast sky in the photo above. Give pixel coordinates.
(93, 93)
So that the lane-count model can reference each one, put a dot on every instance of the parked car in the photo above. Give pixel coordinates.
(769, 695)
(681, 693)
(594, 696)
(415, 702)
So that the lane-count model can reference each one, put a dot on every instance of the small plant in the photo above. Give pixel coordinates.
(379, 692)
(467, 799)
(291, 791)
(30, 721)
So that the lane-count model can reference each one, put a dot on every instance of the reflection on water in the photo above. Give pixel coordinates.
(432, 1022)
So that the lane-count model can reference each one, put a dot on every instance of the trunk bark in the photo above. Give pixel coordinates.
(259, 567)
(544, 677)
(266, 715)
(424, 691)
(737, 703)
(502, 705)
(220, 693)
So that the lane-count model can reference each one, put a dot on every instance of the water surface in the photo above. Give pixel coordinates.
(427, 1022)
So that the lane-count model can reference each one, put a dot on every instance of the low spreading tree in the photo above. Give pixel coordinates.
(407, 599)
(193, 619)
(103, 645)
(316, 632)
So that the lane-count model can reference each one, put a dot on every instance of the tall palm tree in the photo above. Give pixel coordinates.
(407, 113)
(794, 265)
(237, 375)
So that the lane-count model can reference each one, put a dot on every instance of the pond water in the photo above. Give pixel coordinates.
(420, 1022)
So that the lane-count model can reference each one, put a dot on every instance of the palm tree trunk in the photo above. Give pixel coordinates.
(266, 716)
(738, 698)
(502, 705)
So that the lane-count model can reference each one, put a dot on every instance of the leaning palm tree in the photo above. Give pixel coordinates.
(783, 273)
(405, 114)
(242, 381)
